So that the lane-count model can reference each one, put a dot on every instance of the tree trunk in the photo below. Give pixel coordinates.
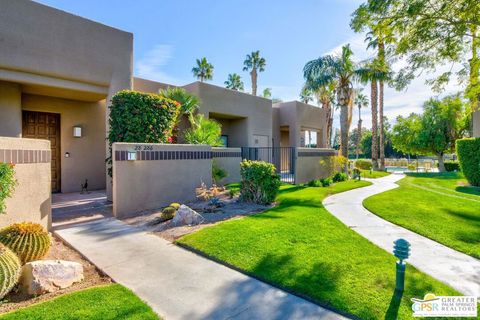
(344, 95)
(373, 100)
(472, 87)
(329, 120)
(381, 128)
(359, 131)
(441, 164)
(253, 73)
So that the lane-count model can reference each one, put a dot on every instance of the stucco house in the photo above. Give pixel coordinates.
(58, 71)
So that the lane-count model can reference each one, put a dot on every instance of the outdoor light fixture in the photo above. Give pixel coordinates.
(401, 250)
(77, 132)
(131, 155)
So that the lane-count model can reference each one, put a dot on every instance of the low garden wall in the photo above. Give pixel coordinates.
(157, 175)
(31, 199)
(229, 160)
(313, 163)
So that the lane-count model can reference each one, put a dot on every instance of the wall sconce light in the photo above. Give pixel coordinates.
(67, 154)
(77, 132)
(131, 155)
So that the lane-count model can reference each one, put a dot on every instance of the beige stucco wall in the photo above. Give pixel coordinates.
(10, 109)
(248, 115)
(298, 117)
(31, 200)
(230, 164)
(317, 165)
(87, 154)
(149, 86)
(50, 52)
(148, 184)
(476, 124)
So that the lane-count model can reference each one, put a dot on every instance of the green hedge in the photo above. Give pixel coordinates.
(260, 182)
(7, 183)
(363, 164)
(468, 152)
(451, 166)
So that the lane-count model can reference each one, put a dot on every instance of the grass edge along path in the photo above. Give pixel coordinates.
(300, 247)
(436, 206)
(106, 302)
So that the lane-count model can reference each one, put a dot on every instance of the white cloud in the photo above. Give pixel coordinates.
(150, 65)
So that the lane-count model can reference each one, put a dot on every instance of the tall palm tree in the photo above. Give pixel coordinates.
(234, 82)
(326, 97)
(203, 70)
(254, 63)
(342, 70)
(306, 94)
(361, 100)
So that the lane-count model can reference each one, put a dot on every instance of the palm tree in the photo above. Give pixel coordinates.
(306, 94)
(188, 102)
(203, 70)
(342, 70)
(326, 97)
(267, 93)
(254, 63)
(234, 82)
(361, 100)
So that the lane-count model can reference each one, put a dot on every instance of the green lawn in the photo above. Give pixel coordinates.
(102, 303)
(439, 206)
(300, 247)
(373, 174)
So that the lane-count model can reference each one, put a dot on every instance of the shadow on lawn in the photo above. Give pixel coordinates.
(468, 190)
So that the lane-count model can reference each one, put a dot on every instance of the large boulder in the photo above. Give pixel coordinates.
(45, 276)
(186, 216)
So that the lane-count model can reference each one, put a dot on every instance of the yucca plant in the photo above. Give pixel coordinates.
(9, 270)
(27, 239)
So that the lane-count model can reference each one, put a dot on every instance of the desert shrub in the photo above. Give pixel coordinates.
(141, 118)
(451, 166)
(10, 268)
(168, 213)
(7, 183)
(339, 177)
(411, 166)
(326, 182)
(260, 182)
(204, 131)
(175, 205)
(468, 152)
(217, 172)
(28, 240)
(363, 164)
(315, 183)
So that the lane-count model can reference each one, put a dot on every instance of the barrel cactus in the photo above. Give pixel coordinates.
(168, 213)
(27, 239)
(9, 270)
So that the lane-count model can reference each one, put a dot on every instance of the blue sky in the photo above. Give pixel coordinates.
(170, 34)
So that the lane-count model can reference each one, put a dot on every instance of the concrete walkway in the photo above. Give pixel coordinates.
(179, 284)
(456, 269)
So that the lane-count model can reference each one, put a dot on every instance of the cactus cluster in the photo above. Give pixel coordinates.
(9, 270)
(168, 213)
(175, 205)
(28, 240)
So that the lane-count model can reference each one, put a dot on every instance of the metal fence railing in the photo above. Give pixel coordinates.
(283, 158)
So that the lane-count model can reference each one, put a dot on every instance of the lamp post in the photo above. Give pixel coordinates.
(401, 250)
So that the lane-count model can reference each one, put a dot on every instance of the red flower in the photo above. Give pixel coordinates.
(170, 139)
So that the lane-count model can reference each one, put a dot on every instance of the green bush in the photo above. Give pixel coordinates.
(326, 182)
(468, 152)
(260, 182)
(7, 183)
(28, 240)
(315, 183)
(204, 131)
(339, 177)
(363, 164)
(217, 172)
(451, 166)
(10, 268)
(141, 118)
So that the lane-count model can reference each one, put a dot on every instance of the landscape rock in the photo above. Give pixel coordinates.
(44, 276)
(186, 216)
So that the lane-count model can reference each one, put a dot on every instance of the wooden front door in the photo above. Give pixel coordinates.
(42, 125)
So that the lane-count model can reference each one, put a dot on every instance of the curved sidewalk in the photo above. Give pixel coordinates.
(456, 269)
(179, 284)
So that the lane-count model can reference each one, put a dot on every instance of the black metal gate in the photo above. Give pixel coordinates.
(283, 158)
